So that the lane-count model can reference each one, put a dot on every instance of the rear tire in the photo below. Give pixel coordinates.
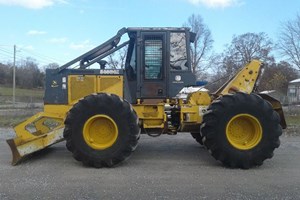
(197, 137)
(241, 130)
(101, 130)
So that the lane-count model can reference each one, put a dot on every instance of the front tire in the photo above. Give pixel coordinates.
(241, 130)
(101, 130)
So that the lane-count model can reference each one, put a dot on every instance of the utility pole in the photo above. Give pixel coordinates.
(14, 78)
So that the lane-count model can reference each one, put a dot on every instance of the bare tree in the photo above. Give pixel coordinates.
(244, 48)
(117, 59)
(5, 74)
(51, 66)
(289, 40)
(28, 74)
(249, 46)
(277, 76)
(203, 42)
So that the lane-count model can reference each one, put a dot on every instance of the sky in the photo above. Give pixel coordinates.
(60, 30)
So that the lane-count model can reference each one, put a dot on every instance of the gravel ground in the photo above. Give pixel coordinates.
(167, 167)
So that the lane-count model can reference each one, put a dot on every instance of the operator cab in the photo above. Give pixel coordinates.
(157, 67)
(158, 62)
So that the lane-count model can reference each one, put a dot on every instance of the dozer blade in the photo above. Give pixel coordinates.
(43, 136)
(21, 150)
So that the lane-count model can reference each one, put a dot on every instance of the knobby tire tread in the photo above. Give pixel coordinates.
(213, 130)
(125, 118)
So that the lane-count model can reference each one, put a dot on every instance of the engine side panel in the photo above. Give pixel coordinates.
(67, 86)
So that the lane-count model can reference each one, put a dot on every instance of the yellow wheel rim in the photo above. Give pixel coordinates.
(100, 132)
(244, 131)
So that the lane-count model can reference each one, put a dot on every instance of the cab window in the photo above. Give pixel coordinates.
(178, 54)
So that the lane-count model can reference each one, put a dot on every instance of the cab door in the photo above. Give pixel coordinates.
(153, 65)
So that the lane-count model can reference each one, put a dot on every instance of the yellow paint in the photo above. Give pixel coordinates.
(45, 125)
(153, 123)
(39, 125)
(151, 115)
(22, 131)
(59, 111)
(100, 132)
(244, 132)
(80, 86)
(21, 148)
(34, 133)
(190, 113)
(110, 84)
(199, 98)
(243, 81)
(39, 131)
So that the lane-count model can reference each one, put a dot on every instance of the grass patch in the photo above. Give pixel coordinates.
(11, 121)
(7, 91)
(292, 120)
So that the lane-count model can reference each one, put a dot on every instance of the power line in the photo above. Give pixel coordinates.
(6, 53)
(8, 56)
(5, 45)
(38, 56)
(24, 53)
(41, 61)
(45, 57)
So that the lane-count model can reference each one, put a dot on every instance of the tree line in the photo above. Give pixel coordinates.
(28, 74)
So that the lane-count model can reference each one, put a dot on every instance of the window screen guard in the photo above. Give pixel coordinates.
(153, 57)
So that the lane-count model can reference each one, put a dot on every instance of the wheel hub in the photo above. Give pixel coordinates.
(100, 132)
(244, 131)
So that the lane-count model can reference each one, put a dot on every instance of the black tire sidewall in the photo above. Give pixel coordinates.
(103, 104)
(240, 103)
(242, 109)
